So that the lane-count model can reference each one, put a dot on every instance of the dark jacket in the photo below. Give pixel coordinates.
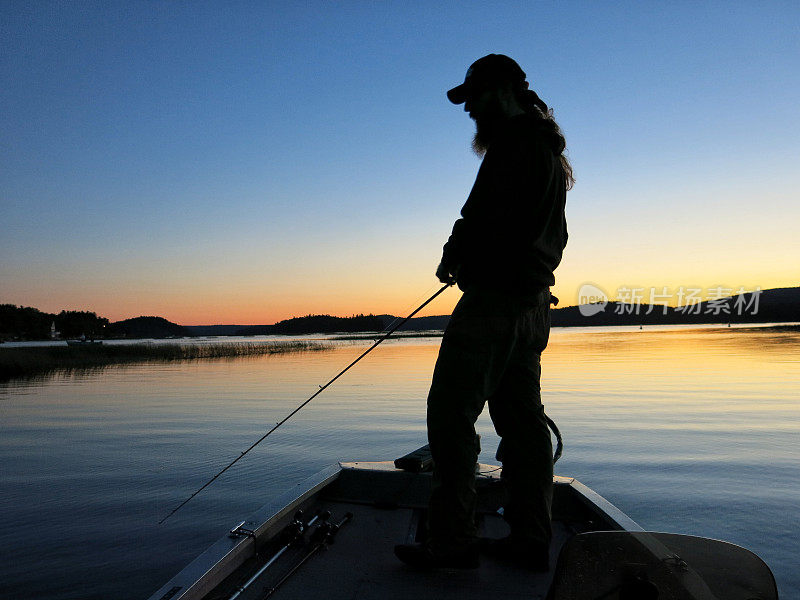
(513, 229)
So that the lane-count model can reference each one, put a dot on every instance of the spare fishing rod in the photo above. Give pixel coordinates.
(322, 537)
(292, 534)
(321, 389)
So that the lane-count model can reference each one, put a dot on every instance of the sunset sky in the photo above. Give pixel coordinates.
(248, 162)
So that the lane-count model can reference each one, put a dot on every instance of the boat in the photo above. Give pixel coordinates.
(84, 342)
(332, 536)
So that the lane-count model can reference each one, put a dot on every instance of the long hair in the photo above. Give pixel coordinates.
(530, 101)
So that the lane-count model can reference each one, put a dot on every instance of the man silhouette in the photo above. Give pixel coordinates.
(502, 253)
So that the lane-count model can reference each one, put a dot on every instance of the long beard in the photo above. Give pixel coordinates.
(486, 128)
(479, 144)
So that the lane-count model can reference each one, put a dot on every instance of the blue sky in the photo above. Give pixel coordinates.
(246, 162)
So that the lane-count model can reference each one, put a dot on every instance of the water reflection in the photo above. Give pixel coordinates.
(686, 430)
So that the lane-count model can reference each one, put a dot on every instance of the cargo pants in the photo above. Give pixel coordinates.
(491, 352)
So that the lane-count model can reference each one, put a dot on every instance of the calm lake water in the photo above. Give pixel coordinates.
(686, 430)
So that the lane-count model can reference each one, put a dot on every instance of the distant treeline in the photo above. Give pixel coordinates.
(317, 324)
(26, 323)
(780, 305)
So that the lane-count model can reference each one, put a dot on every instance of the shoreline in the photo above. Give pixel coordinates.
(45, 357)
(312, 337)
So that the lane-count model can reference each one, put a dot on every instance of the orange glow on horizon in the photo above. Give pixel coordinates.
(211, 306)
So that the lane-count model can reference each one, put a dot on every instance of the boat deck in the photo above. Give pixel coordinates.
(361, 565)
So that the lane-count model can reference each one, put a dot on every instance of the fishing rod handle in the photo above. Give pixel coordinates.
(334, 529)
(320, 516)
(258, 573)
(347, 517)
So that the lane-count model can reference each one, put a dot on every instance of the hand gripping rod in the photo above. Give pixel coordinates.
(317, 393)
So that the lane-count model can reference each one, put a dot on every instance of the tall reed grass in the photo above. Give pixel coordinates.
(41, 360)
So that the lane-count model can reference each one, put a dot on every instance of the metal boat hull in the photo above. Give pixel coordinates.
(389, 506)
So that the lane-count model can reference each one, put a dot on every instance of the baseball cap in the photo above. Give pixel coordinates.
(491, 69)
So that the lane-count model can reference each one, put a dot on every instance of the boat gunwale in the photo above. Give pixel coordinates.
(225, 555)
(609, 510)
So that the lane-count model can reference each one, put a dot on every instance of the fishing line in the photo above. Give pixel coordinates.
(317, 393)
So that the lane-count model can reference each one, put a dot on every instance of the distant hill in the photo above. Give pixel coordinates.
(779, 305)
(432, 323)
(317, 324)
(146, 327)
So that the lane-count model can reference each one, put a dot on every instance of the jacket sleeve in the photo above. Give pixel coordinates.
(502, 210)
(453, 250)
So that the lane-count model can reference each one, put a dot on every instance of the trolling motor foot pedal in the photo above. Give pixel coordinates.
(418, 461)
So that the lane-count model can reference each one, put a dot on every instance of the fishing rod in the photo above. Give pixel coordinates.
(317, 393)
